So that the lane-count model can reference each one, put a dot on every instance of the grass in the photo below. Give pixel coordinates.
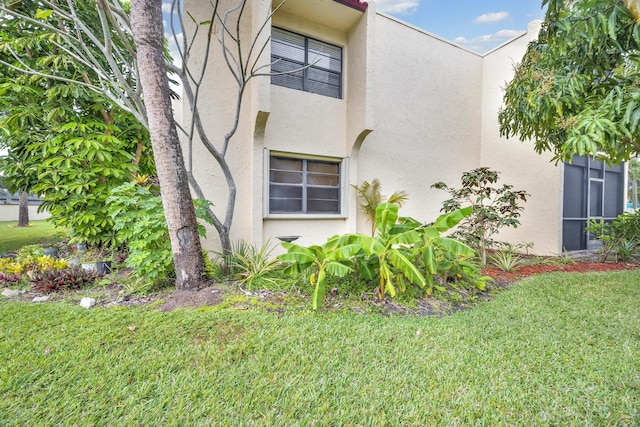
(557, 349)
(38, 232)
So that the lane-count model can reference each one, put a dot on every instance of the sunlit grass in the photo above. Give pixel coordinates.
(12, 238)
(559, 349)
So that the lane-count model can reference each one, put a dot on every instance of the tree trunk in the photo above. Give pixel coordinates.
(23, 210)
(148, 33)
(634, 194)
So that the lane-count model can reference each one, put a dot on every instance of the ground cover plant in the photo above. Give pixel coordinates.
(558, 349)
(38, 232)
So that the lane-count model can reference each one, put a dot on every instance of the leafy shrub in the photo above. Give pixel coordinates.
(505, 260)
(9, 279)
(63, 280)
(493, 207)
(31, 259)
(29, 255)
(140, 224)
(248, 263)
(9, 266)
(618, 236)
(390, 256)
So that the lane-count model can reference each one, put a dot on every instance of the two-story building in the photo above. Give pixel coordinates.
(382, 99)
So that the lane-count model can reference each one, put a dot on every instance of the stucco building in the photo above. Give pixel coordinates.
(380, 99)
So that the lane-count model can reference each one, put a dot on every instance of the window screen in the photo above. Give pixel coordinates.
(319, 64)
(303, 186)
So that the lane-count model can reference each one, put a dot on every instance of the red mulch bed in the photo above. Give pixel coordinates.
(580, 267)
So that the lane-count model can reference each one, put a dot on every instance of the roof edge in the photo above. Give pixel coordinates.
(356, 4)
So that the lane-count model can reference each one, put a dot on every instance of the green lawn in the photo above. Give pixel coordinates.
(559, 349)
(13, 238)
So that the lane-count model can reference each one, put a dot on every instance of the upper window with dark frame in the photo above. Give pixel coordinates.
(319, 63)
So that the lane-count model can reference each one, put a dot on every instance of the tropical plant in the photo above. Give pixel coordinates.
(139, 222)
(576, 89)
(493, 207)
(330, 258)
(505, 260)
(49, 281)
(248, 263)
(389, 251)
(621, 233)
(445, 257)
(370, 195)
(65, 142)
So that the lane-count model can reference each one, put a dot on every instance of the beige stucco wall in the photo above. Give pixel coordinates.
(217, 106)
(416, 109)
(427, 95)
(316, 125)
(10, 213)
(519, 164)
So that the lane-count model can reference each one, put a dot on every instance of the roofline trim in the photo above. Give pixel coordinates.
(356, 4)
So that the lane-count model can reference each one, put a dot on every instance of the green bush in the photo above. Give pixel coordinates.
(49, 281)
(619, 236)
(493, 207)
(402, 252)
(140, 225)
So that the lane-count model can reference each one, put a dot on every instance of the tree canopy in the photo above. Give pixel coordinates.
(577, 89)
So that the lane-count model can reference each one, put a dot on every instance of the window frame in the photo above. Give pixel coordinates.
(308, 65)
(343, 164)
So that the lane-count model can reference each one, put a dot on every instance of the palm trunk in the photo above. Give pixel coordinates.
(146, 24)
(23, 210)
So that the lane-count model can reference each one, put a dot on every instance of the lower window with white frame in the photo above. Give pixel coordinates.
(304, 185)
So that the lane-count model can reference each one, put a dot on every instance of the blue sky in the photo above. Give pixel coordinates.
(479, 25)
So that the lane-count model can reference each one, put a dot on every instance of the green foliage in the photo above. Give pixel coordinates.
(493, 207)
(49, 281)
(389, 252)
(330, 258)
(29, 254)
(391, 257)
(505, 260)
(576, 89)
(248, 263)
(65, 142)
(370, 195)
(139, 223)
(619, 236)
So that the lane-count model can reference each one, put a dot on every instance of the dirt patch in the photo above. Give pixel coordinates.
(209, 296)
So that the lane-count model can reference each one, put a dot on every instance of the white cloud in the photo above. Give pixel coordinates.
(401, 7)
(488, 18)
(489, 41)
(166, 7)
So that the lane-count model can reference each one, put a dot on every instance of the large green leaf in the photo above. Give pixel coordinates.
(429, 259)
(372, 245)
(456, 247)
(407, 238)
(386, 217)
(406, 267)
(338, 268)
(449, 220)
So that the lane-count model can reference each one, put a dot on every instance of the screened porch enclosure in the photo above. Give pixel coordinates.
(592, 190)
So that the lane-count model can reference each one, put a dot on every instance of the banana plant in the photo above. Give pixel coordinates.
(333, 258)
(439, 253)
(388, 251)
